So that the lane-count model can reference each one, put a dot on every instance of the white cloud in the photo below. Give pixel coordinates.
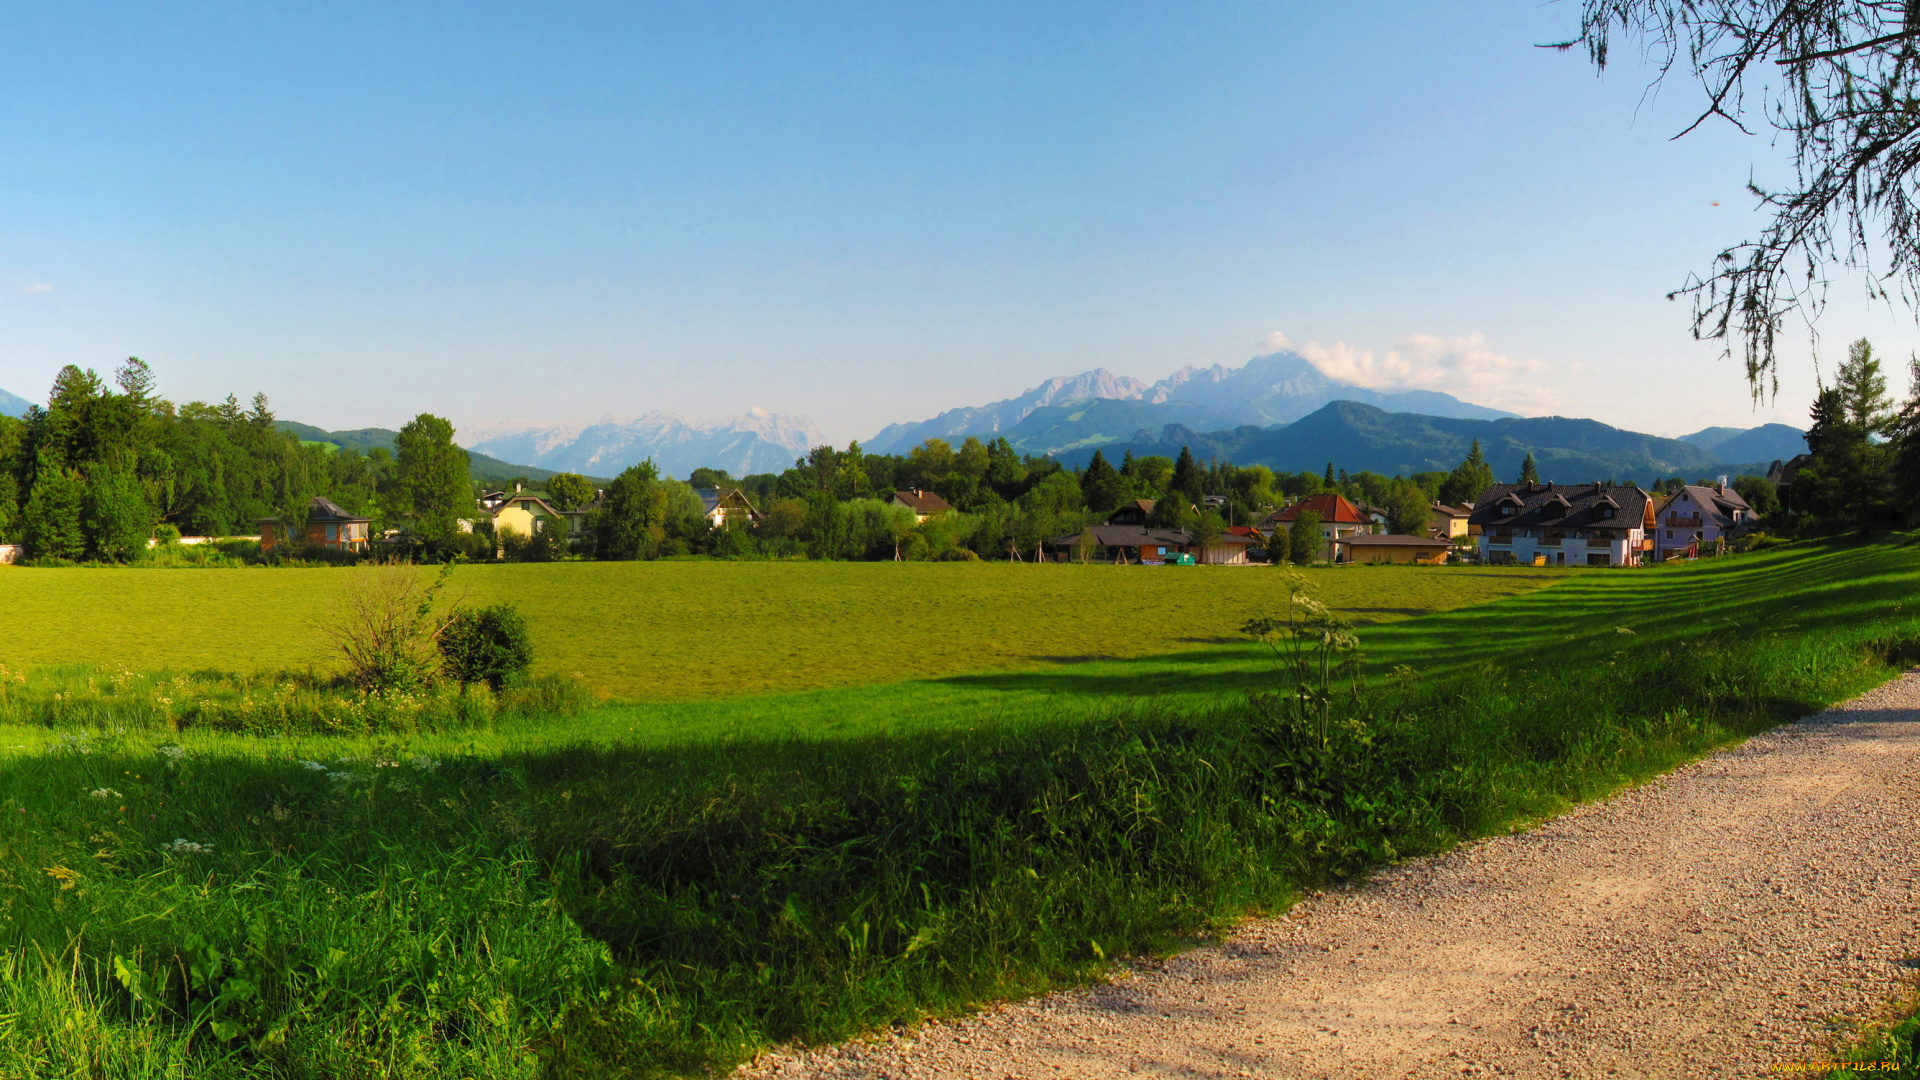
(1462, 366)
(37, 288)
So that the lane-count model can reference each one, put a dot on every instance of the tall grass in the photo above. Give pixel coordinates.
(82, 700)
(229, 908)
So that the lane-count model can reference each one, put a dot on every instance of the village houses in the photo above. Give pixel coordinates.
(1340, 519)
(1564, 525)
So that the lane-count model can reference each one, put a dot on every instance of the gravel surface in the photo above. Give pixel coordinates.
(1715, 922)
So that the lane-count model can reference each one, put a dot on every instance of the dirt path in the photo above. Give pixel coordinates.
(1709, 924)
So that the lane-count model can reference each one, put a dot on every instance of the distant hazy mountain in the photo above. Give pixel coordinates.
(756, 442)
(1763, 444)
(13, 406)
(1053, 429)
(1098, 384)
(1274, 389)
(1358, 437)
(479, 466)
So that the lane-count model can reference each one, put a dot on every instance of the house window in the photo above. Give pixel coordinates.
(1669, 534)
(333, 533)
(1599, 560)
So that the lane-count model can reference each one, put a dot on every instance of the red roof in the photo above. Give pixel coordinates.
(1331, 508)
(1243, 530)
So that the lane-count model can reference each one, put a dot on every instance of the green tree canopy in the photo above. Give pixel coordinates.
(1408, 509)
(571, 491)
(632, 520)
(1529, 472)
(429, 492)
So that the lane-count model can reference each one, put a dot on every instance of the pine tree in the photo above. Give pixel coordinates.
(1471, 477)
(1529, 472)
(1101, 486)
(52, 519)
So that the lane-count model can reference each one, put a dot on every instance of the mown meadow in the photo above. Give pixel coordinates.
(664, 887)
(697, 630)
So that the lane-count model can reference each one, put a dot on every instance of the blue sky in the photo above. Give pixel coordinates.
(857, 212)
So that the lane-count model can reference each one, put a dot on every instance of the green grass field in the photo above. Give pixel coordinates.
(873, 832)
(684, 631)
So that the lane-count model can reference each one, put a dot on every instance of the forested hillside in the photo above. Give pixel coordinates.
(94, 472)
(489, 471)
(1361, 437)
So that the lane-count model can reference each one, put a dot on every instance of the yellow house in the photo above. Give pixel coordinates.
(1450, 522)
(528, 512)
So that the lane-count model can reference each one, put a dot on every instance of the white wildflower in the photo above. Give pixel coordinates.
(172, 753)
(313, 765)
(183, 846)
(104, 793)
(423, 763)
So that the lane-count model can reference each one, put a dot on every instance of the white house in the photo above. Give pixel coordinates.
(1696, 518)
(1564, 525)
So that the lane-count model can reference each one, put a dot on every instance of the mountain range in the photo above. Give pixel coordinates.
(1277, 388)
(755, 442)
(13, 406)
(1358, 437)
(1278, 410)
(1768, 442)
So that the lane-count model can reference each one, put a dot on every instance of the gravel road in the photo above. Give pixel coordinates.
(1712, 923)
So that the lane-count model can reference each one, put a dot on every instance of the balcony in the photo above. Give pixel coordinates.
(1550, 541)
(1599, 542)
(1675, 521)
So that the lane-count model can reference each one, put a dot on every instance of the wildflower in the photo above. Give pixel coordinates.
(183, 846)
(423, 763)
(104, 793)
(313, 765)
(172, 753)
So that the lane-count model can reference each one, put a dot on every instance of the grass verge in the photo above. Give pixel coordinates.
(542, 904)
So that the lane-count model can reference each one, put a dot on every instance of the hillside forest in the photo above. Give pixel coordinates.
(105, 466)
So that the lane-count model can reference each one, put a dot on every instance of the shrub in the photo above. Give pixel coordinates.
(386, 628)
(1278, 547)
(488, 644)
(513, 543)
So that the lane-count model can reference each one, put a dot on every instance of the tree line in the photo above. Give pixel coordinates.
(103, 465)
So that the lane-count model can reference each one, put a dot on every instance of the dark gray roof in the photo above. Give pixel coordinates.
(1571, 505)
(325, 509)
(1716, 506)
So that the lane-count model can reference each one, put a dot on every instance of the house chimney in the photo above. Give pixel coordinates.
(519, 486)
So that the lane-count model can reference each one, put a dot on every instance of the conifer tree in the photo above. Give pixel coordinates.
(52, 520)
(1469, 479)
(1101, 486)
(1529, 472)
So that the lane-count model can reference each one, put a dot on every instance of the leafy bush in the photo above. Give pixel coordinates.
(386, 628)
(489, 645)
